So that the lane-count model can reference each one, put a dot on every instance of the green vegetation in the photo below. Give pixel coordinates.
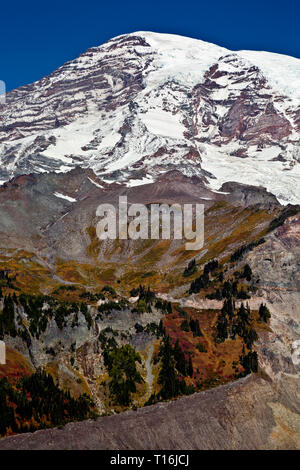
(195, 327)
(288, 211)
(240, 252)
(163, 305)
(145, 300)
(185, 326)
(63, 288)
(85, 312)
(39, 310)
(168, 378)
(92, 297)
(202, 282)
(190, 269)
(181, 311)
(150, 328)
(199, 283)
(7, 319)
(249, 362)
(35, 402)
(109, 306)
(121, 365)
(264, 313)
(174, 368)
(247, 273)
(232, 322)
(201, 348)
(192, 325)
(230, 287)
(7, 280)
(109, 290)
(107, 343)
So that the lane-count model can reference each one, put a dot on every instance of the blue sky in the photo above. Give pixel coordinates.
(37, 37)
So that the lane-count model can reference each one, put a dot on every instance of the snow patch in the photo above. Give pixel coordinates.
(138, 182)
(63, 196)
(162, 123)
(94, 182)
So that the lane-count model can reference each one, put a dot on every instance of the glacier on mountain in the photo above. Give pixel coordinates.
(144, 103)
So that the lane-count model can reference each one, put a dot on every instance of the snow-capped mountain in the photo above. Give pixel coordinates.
(146, 103)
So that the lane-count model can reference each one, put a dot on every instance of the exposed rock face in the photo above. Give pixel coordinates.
(145, 103)
(277, 266)
(55, 346)
(248, 112)
(73, 87)
(247, 195)
(39, 211)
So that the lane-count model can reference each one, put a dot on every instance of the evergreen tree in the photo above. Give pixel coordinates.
(185, 326)
(198, 331)
(179, 359)
(244, 314)
(228, 308)
(222, 327)
(249, 362)
(199, 283)
(161, 328)
(191, 268)
(190, 369)
(195, 327)
(242, 294)
(7, 319)
(169, 307)
(227, 290)
(167, 376)
(264, 313)
(250, 337)
(247, 272)
(123, 373)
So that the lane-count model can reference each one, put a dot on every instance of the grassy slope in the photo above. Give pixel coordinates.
(155, 263)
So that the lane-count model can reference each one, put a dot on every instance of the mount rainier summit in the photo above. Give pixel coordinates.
(145, 103)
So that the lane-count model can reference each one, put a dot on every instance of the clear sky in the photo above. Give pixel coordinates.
(36, 37)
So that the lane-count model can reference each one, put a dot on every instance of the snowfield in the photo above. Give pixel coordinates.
(162, 123)
(145, 102)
